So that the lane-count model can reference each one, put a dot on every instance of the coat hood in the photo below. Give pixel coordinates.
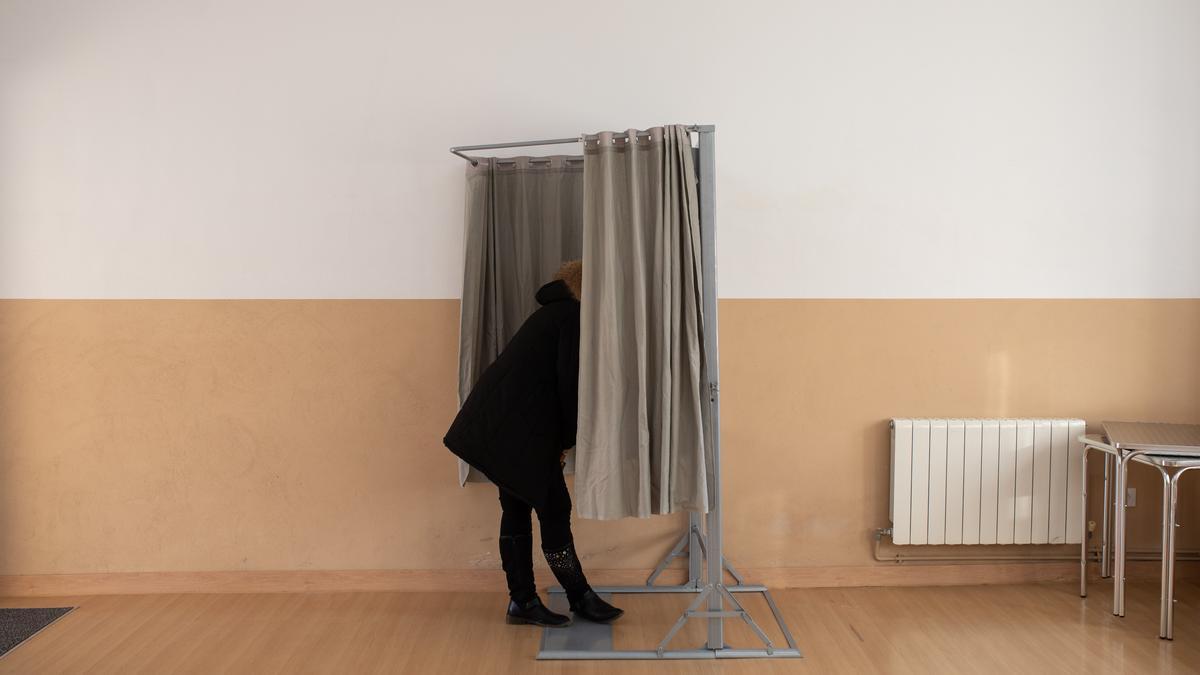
(555, 291)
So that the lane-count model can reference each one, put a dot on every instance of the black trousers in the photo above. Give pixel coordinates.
(554, 518)
(516, 543)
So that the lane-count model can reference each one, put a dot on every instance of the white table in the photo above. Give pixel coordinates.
(1173, 449)
(1171, 468)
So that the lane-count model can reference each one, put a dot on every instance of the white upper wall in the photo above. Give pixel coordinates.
(931, 148)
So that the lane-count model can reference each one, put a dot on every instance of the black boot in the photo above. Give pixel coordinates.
(593, 608)
(516, 555)
(584, 601)
(534, 613)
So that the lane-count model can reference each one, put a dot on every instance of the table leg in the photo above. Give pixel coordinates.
(1119, 539)
(1167, 629)
(1083, 547)
(1168, 521)
(1105, 520)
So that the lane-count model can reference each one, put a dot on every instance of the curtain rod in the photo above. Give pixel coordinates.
(459, 149)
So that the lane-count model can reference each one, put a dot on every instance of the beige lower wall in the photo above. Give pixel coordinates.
(808, 387)
(148, 436)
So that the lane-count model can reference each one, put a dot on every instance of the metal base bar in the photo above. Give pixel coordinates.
(585, 641)
(677, 654)
(739, 588)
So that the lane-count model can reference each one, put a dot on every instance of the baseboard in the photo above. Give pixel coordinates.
(937, 574)
(315, 581)
(282, 581)
(912, 574)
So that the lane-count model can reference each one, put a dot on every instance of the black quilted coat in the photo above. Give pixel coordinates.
(522, 412)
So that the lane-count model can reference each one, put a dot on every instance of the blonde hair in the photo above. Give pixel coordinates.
(571, 273)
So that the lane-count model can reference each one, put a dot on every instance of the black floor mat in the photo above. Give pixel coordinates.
(18, 624)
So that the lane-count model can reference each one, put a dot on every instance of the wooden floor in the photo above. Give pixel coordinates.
(982, 629)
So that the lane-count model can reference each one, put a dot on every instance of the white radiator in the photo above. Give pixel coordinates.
(995, 481)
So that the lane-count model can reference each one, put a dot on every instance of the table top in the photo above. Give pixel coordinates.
(1169, 461)
(1155, 437)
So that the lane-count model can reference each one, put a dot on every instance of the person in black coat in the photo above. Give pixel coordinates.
(516, 427)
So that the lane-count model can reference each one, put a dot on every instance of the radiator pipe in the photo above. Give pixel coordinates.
(1093, 555)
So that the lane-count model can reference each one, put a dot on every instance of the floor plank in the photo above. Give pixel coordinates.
(976, 629)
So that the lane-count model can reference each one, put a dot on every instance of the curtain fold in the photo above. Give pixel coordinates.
(523, 219)
(641, 438)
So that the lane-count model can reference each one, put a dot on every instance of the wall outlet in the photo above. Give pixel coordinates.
(1130, 497)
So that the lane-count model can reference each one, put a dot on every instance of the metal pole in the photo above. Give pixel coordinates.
(1083, 547)
(1168, 522)
(1168, 627)
(708, 239)
(695, 559)
(1119, 537)
(1120, 522)
(460, 149)
(1105, 524)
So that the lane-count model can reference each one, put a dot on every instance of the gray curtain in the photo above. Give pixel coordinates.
(523, 219)
(641, 441)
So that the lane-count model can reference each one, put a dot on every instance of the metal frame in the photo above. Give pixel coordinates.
(705, 550)
(1154, 444)
(460, 150)
(1171, 467)
(1111, 455)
